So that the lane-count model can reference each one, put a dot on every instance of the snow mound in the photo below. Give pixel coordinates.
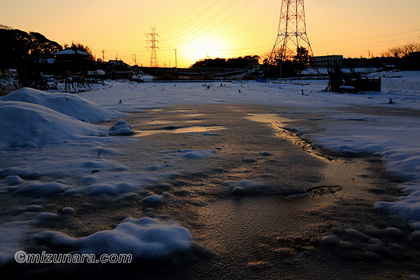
(25, 124)
(187, 154)
(67, 104)
(12, 180)
(245, 187)
(194, 154)
(110, 189)
(121, 128)
(143, 238)
(36, 188)
(152, 200)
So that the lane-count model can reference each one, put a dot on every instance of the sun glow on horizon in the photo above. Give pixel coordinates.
(218, 28)
(206, 47)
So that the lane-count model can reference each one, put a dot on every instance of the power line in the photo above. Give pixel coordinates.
(357, 40)
(208, 20)
(189, 36)
(193, 20)
(134, 51)
(187, 40)
(225, 50)
(175, 26)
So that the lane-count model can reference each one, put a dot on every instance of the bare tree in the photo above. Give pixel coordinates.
(403, 51)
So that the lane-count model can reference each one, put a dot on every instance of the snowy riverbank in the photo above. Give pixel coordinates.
(50, 136)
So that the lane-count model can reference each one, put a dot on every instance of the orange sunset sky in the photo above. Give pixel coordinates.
(213, 28)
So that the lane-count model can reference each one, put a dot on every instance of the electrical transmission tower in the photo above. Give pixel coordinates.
(153, 46)
(291, 34)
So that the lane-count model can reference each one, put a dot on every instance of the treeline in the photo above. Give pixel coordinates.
(17, 46)
(239, 62)
(23, 51)
(27, 52)
(404, 57)
(402, 51)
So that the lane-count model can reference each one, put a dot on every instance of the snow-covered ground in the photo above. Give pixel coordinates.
(54, 136)
(388, 130)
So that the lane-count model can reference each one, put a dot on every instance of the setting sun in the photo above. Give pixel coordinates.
(206, 47)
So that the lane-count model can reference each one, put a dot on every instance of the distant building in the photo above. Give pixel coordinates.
(72, 60)
(70, 55)
(119, 64)
(119, 70)
(327, 60)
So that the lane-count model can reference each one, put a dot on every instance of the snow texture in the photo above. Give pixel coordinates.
(31, 125)
(143, 238)
(394, 138)
(47, 135)
(65, 103)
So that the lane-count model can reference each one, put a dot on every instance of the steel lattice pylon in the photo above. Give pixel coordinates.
(153, 46)
(291, 32)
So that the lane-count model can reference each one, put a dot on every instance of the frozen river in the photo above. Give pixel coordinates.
(257, 204)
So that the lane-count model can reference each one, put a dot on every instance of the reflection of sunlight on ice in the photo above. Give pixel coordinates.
(190, 129)
(267, 118)
(279, 124)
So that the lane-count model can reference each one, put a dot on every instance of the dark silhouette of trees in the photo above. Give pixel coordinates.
(239, 62)
(18, 46)
(301, 58)
(288, 68)
(28, 52)
(404, 57)
(24, 51)
(402, 51)
(42, 46)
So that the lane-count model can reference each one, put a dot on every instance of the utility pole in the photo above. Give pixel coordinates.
(176, 59)
(153, 46)
(135, 59)
(103, 55)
